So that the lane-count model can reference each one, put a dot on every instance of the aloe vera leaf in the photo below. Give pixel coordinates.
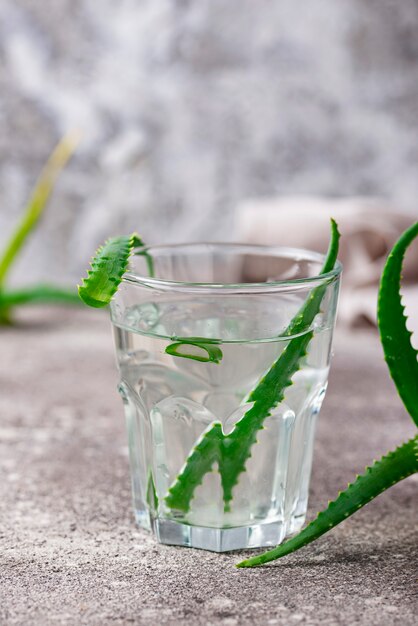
(199, 462)
(236, 448)
(271, 389)
(41, 294)
(382, 475)
(213, 352)
(37, 202)
(400, 355)
(107, 268)
(233, 450)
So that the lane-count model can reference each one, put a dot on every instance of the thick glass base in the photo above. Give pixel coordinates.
(218, 539)
(174, 533)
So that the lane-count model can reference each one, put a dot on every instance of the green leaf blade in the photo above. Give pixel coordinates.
(38, 294)
(400, 355)
(37, 202)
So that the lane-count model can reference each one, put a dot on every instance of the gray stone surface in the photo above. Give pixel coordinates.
(188, 107)
(71, 554)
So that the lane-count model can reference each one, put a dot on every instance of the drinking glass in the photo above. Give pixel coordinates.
(220, 425)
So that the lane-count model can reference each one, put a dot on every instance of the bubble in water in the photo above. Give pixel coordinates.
(182, 410)
(133, 357)
(317, 403)
(143, 317)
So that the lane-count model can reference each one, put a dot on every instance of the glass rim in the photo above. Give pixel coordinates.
(269, 286)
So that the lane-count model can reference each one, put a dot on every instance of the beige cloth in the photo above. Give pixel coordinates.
(369, 228)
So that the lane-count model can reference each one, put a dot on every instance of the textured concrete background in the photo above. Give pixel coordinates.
(187, 107)
(71, 554)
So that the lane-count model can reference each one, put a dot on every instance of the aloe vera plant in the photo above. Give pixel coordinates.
(402, 360)
(43, 293)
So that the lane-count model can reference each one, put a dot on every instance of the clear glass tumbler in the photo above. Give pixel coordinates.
(222, 374)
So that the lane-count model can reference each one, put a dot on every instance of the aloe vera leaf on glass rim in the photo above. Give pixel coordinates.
(402, 462)
(108, 266)
(233, 450)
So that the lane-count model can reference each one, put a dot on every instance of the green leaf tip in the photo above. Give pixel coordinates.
(332, 253)
(107, 268)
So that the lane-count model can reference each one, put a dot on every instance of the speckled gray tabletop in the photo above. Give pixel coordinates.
(71, 554)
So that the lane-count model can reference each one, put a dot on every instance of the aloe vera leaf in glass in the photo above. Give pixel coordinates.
(232, 451)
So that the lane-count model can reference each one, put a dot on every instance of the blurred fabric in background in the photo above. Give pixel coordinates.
(369, 228)
(187, 109)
